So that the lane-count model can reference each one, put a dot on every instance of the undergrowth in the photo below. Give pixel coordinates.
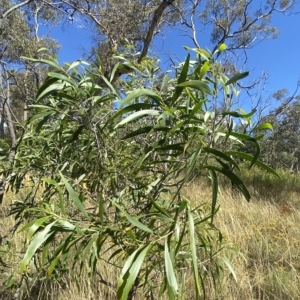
(265, 231)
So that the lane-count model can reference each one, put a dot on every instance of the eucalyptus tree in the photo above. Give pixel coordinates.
(114, 24)
(19, 80)
(280, 148)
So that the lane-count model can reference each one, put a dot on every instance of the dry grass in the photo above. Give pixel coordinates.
(266, 233)
(268, 236)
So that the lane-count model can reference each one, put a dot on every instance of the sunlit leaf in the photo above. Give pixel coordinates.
(194, 253)
(50, 90)
(53, 63)
(138, 115)
(140, 93)
(35, 226)
(198, 85)
(171, 277)
(38, 240)
(230, 267)
(77, 63)
(264, 126)
(61, 77)
(133, 107)
(222, 47)
(204, 69)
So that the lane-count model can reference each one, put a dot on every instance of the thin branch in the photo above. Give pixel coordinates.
(5, 14)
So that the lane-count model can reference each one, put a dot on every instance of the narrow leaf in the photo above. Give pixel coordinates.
(53, 63)
(38, 240)
(139, 131)
(215, 188)
(245, 137)
(60, 76)
(264, 126)
(250, 158)
(172, 281)
(230, 267)
(182, 78)
(73, 195)
(52, 266)
(222, 155)
(137, 115)
(130, 272)
(239, 115)
(137, 223)
(50, 90)
(204, 69)
(60, 194)
(194, 253)
(140, 93)
(133, 107)
(40, 115)
(76, 63)
(234, 179)
(198, 85)
(114, 71)
(35, 226)
(89, 245)
(237, 77)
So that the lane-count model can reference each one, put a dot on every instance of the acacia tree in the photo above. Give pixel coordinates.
(168, 131)
(113, 178)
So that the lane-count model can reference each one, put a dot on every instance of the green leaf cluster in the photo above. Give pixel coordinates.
(108, 178)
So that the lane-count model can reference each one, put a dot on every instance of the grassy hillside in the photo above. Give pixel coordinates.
(265, 231)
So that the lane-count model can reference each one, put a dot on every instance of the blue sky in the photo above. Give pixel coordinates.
(279, 57)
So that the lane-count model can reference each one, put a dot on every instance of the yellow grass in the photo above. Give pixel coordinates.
(266, 233)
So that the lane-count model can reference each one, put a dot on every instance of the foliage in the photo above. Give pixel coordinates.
(108, 149)
(19, 80)
(280, 148)
(25, 27)
(281, 190)
(111, 172)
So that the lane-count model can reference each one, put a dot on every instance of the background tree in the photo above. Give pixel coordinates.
(281, 147)
(19, 79)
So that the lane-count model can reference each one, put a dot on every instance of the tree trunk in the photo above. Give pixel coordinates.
(7, 120)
